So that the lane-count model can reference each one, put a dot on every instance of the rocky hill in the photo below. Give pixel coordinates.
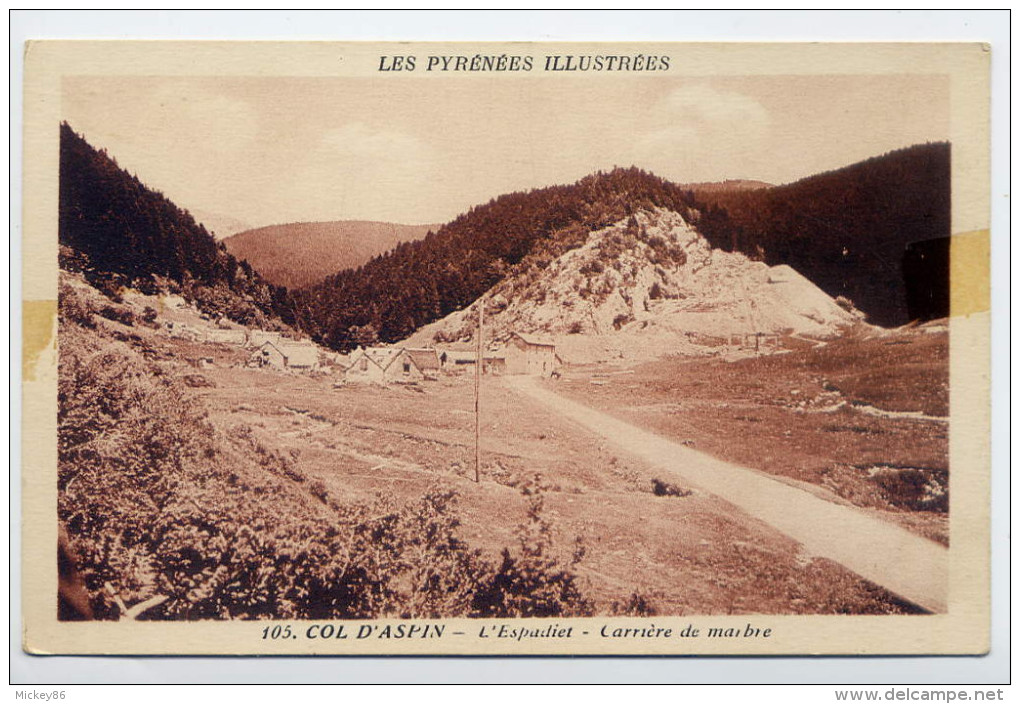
(647, 286)
(420, 282)
(303, 253)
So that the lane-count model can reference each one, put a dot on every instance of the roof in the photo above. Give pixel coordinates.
(265, 335)
(383, 356)
(299, 354)
(533, 340)
(266, 344)
(424, 359)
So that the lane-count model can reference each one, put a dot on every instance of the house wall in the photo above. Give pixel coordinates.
(301, 357)
(363, 370)
(271, 356)
(530, 360)
(403, 368)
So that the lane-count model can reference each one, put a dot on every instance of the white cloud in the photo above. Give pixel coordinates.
(703, 105)
(693, 124)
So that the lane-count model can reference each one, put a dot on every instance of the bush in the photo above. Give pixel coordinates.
(637, 605)
(318, 490)
(622, 319)
(118, 315)
(74, 308)
(110, 285)
(845, 303)
(532, 583)
(661, 488)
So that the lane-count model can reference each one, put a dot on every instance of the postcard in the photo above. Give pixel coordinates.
(505, 348)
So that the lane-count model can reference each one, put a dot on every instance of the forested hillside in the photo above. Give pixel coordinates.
(849, 230)
(303, 253)
(854, 232)
(119, 232)
(419, 282)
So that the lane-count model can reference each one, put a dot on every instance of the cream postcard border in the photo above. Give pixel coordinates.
(963, 630)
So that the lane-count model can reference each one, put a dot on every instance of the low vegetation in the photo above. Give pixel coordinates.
(164, 508)
(864, 416)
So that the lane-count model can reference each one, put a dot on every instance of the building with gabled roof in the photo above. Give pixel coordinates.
(383, 365)
(302, 356)
(427, 360)
(299, 356)
(530, 355)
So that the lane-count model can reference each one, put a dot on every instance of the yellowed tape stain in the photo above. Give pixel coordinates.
(38, 320)
(969, 263)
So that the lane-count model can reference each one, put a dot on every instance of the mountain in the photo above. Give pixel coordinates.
(872, 233)
(304, 253)
(647, 286)
(419, 282)
(875, 232)
(118, 232)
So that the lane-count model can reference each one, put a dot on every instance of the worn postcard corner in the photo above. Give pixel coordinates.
(505, 349)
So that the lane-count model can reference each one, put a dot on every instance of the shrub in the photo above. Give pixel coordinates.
(533, 582)
(70, 259)
(637, 605)
(118, 315)
(845, 303)
(318, 490)
(661, 488)
(110, 285)
(657, 242)
(74, 308)
(622, 319)
(575, 328)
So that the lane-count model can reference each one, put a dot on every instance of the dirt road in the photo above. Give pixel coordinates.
(912, 567)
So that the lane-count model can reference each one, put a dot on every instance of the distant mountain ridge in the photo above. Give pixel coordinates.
(730, 184)
(301, 254)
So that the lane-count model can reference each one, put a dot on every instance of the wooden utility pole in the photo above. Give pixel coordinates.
(479, 360)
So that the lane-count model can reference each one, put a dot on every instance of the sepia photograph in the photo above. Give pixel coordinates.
(508, 348)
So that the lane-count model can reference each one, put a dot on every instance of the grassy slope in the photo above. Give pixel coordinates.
(768, 413)
(295, 456)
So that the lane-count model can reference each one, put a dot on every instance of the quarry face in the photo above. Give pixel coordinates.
(650, 286)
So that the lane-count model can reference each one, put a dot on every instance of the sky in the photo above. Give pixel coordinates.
(270, 150)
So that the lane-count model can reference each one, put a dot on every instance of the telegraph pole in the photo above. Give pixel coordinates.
(478, 384)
